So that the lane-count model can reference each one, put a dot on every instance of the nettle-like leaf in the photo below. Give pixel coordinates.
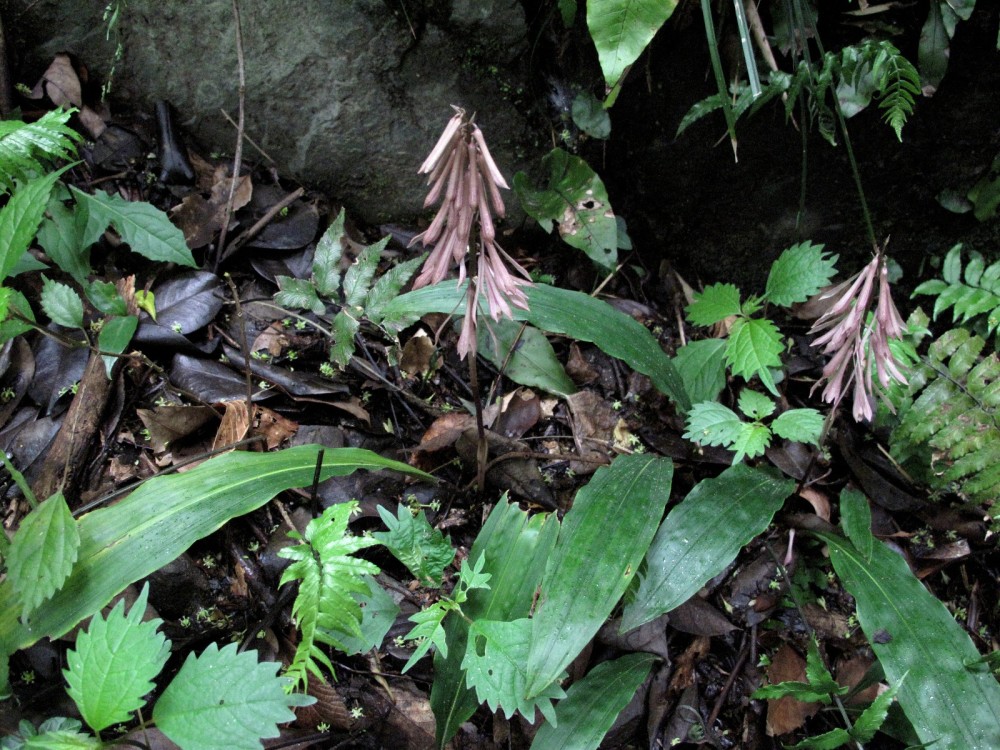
(57, 733)
(494, 665)
(145, 228)
(223, 699)
(752, 441)
(114, 662)
(799, 425)
(43, 552)
(27, 148)
(755, 405)
(715, 304)
(328, 576)
(62, 304)
(702, 367)
(424, 550)
(798, 273)
(754, 346)
(711, 423)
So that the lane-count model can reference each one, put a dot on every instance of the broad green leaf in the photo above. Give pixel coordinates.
(20, 218)
(752, 441)
(577, 201)
(621, 30)
(495, 668)
(115, 335)
(591, 705)
(344, 328)
(916, 637)
(702, 535)
(42, 554)
(224, 700)
(424, 550)
(567, 10)
(711, 423)
(105, 297)
(798, 273)
(358, 277)
(702, 366)
(161, 519)
(514, 548)
(26, 264)
(799, 425)
(146, 301)
(62, 304)
(114, 662)
(573, 314)
(378, 613)
(298, 294)
(388, 285)
(590, 116)
(524, 354)
(145, 228)
(715, 304)
(326, 259)
(933, 51)
(61, 241)
(603, 539)
(755, 344)
(11, 327)
(856, 521)
(755, 405)
(26, 148)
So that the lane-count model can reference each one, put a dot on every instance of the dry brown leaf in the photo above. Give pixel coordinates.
(520, 411)
(418, 353)
(61, 84)
(578, 368)
(275, 428)
(787, 714)
(272, 339)
(444, 431)
(593, 424)
(683, 676)
(850, 672)
(168, 424)
(234, 426)
(818, 500)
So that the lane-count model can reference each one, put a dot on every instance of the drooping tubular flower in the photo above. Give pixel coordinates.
(856, 344)
(463, 175)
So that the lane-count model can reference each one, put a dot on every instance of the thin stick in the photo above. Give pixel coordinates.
(264, 220)
(247, 138)
(238, 156)
(242, 323)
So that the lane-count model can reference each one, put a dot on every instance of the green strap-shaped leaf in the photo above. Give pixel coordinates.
(20, 218)
(42, 554)
(603, 539)
(702, 535)
(914, 636)
(525, 355)
(621, 30)
(591, 705)
(223, 700)
(144, 227)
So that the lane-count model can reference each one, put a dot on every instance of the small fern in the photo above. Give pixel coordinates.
(328, 575)
(972, 299)
(897, 82)
(26, 148)
(951, 408)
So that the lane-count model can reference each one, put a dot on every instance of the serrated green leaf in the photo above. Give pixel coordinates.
(344, 329)
(11, 327)
(428, 631)
(603, 539)
(26, 148)
(225, 700)
(754, 346)
(800, 691)
(358, 277)
(145, 228)
(62, 304)
(62, 740)
(20, 218)
(715, 304)
(424, 550)
(702, 535)
(591, 705)
(856, 520)
(914, 635)
(827, 741)
(495, 667)
(61, 241)
(326, 260)
(873, 717)
(702, 367)
(752, 441)
(42, 553)
(755, 405)
(115, 335)
(298, 294)
(711, 423)
(6, 293)
(388, 285)
(525, 355)
(378, 613)
(621, 29)
(799, 425)
(817, 674)
(798, 273)
(105, 297)
(114, 662)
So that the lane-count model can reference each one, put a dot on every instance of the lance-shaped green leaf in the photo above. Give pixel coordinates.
(62, 304)
(702, 535)
(621, 30)
(20, 218)
(326, 259)
(603, 539)
(525, 355)
(592, 704)
(916, 637)
(115, 335)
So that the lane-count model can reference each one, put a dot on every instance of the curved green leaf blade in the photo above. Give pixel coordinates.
(525, 355)
(224, 700)
(603, 539)
(800, 425)
(145, 228)
(711, 423)
(914, 636)
(326, 259)
(702, 535)
(42, 553)
(702, 367)
(20, 218)
(114, 662)
(115, 335)
(621, 29)
(592, 704)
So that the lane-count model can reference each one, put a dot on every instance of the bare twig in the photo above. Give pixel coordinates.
(247, 138)
(242, 323)
(220, 249)
(264, 220)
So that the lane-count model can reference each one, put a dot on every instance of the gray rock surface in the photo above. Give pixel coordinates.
(347, 96)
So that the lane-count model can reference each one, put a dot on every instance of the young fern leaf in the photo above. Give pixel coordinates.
(26, 149)
(898, 82)
(970, 299)
(328, 575)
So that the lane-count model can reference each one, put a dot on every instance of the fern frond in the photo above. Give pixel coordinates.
(25, 148)
(953, 407)
(898, 82)
(328, 575)
(974, 299)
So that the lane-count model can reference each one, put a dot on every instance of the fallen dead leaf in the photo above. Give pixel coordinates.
(785, 715)
(275, 428)
(818, 500)
(444, 431)
(234, 426)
